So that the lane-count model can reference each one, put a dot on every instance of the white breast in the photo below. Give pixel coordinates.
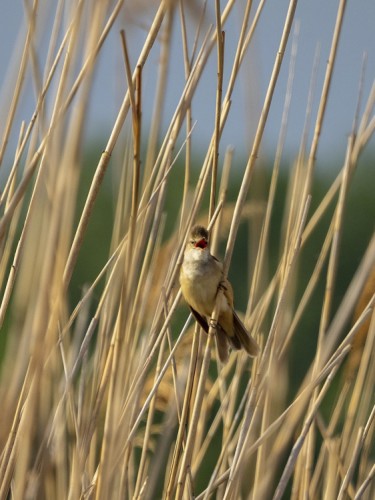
(200, 278)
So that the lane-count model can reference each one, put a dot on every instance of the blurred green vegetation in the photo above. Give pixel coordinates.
(358, 226)
(359, 220)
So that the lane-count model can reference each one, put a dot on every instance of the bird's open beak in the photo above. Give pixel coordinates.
(201, 244)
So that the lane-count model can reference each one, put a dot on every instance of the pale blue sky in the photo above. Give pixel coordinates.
(316, 19)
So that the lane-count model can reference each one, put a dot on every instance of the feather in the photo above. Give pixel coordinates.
(246, 341)
(235, 342)
(200, 319)
(222, 345)
(220, 337)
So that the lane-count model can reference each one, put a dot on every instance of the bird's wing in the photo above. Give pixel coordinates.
(200, 319)
(247, 342)
(228, 291)
(220, 337)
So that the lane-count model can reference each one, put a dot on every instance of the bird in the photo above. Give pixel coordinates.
(201, 276)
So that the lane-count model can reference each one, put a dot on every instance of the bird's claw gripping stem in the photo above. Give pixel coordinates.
(213, 323)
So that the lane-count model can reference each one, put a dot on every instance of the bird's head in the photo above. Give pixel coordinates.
(198, 238)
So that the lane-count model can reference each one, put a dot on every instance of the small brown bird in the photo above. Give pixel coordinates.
(201, 276)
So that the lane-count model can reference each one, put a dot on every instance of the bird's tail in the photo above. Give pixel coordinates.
(240, 333)
(222, 345)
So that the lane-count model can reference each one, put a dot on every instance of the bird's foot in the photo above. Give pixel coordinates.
(212, 324)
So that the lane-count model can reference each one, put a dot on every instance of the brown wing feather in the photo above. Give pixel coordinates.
(241, 338)
(235, 342)
(240, 332)
(200, 319)
(228, 291)
(220, 337)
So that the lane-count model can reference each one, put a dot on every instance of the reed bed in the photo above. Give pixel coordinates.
(116, 393)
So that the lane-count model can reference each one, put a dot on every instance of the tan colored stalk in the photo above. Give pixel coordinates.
(181, 437)
(146, 441)
(242, 196)
(187, 66)
(259, 133)
(160, 97)
(259, 266)
(306, 426)
(104, 160)
(19, 82)
(220, 40)
(310, 168)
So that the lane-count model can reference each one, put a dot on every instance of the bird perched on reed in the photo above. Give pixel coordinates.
(201, 276)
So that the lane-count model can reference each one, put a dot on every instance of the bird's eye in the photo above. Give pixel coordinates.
(192, 242)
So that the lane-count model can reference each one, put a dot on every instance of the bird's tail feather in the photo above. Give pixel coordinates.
(222, 345)
(246, 341)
